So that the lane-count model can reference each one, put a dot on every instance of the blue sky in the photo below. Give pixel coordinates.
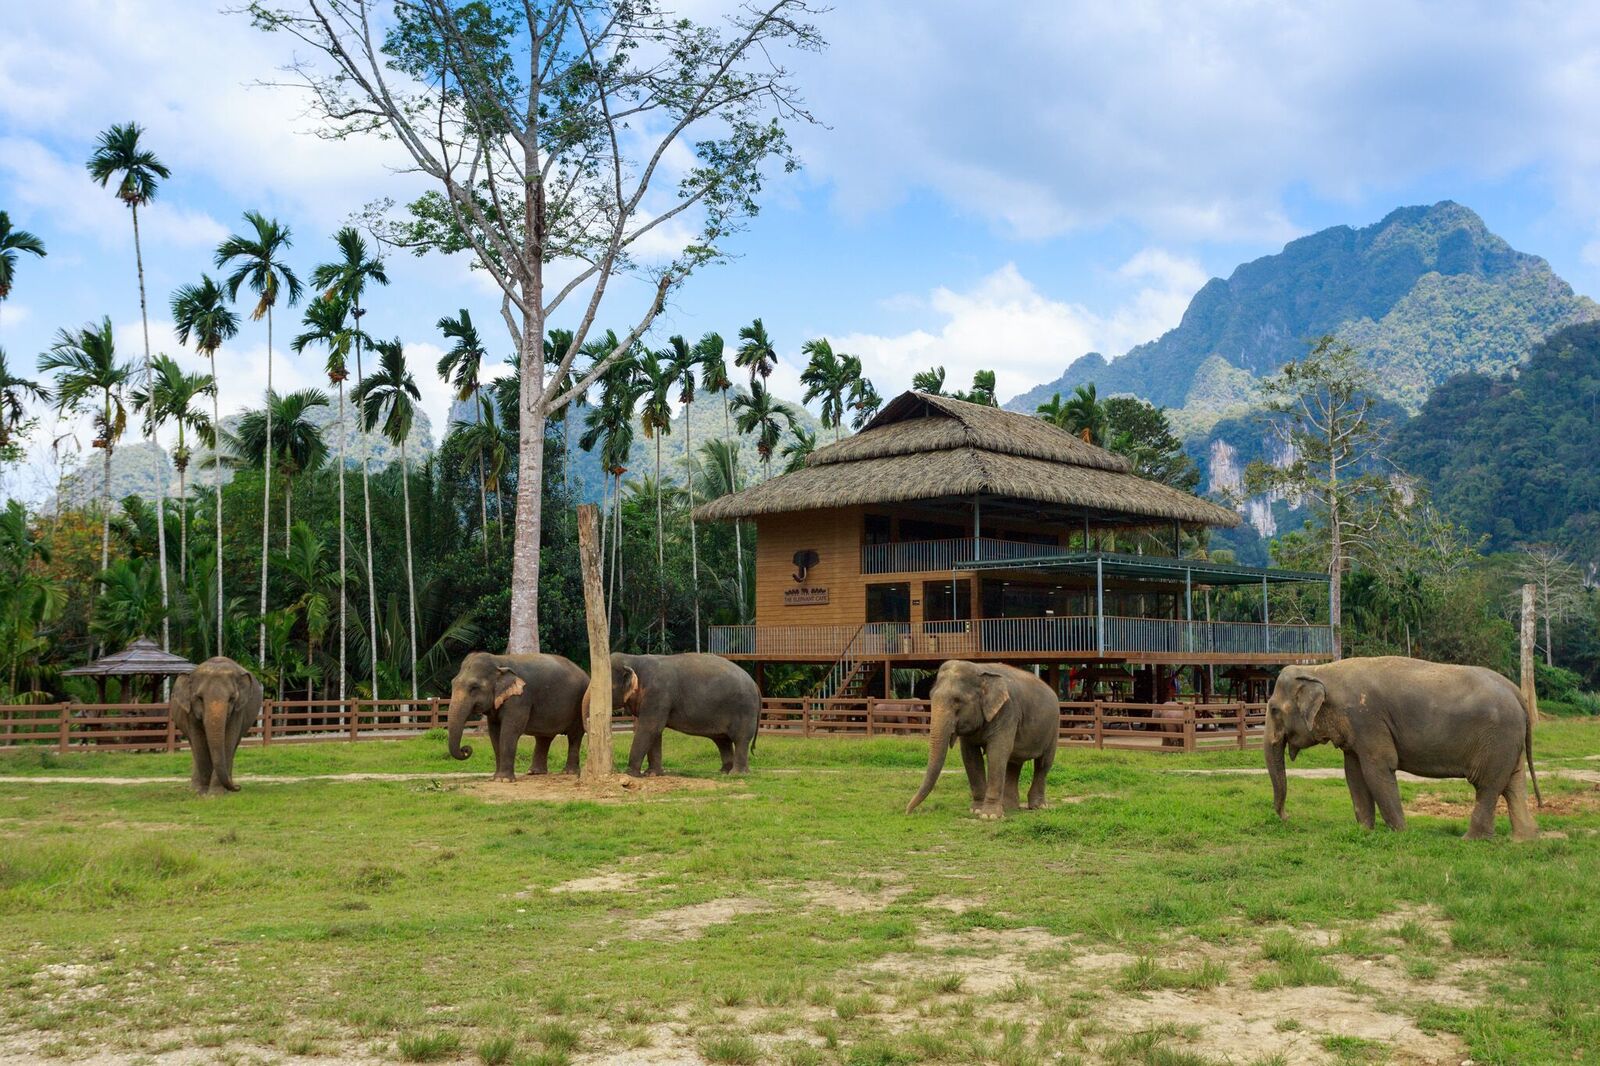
(1003, 188)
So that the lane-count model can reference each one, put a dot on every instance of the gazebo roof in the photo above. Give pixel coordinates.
(142, 658)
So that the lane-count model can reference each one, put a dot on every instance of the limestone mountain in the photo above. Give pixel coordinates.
(1426, 293)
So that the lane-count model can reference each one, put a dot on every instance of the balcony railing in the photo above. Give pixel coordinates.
(918, 556)
(1006, 637)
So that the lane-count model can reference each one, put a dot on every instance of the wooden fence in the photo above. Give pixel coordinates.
(1099, 724)
(147, 726)
(1175, 727)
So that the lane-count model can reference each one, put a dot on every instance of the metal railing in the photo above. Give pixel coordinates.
(917, 556)
(1004, 637)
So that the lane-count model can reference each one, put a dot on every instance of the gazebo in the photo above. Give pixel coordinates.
(142, 658)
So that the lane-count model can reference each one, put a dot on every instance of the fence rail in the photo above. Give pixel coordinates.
(148, 727)
(1010, 637)
(68, 727)
(1173, 727)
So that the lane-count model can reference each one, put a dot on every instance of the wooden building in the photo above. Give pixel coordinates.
(950, 530)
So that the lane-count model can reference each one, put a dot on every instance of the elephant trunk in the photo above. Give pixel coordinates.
(941, 733)
(1275, 770)
(458, 722)
(217, 743)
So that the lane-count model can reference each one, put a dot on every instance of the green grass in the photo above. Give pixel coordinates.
(412, 919)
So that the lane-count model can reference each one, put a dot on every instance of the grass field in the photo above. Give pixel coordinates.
(1151, 915)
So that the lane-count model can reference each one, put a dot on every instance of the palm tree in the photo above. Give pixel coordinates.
(348, 278)
(610, 427)
(169, 398)
(764, 416)
(714, 376)
(326, 324)
(12, 242)
(681, 365)
(864, 398)
(201, 313)
(309, 579)
(930, 381)
(655, 418)
(492, 442)
(296, 443)
(756, 353)
(983, 389)
(462, 367)
(139, 173)
(1084, 415)
(13, 391)
(556, 343)
(29, 597)
(258, 262)
(86, 368)
(798, 450)
(827, 378)
(389, 395)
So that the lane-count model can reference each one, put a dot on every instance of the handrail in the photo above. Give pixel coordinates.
(836, 675)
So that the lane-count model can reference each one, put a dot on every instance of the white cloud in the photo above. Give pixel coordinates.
(1005, 324)
(1194, 120)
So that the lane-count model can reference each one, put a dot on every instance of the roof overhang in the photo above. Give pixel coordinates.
(1146, 567)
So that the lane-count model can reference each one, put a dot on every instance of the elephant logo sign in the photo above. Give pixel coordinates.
(804, 560)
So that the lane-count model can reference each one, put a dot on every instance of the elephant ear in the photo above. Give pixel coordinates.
(1308, 701)
(631, 692)
(506, 685)
(996, 693)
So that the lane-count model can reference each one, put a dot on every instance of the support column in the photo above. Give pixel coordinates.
(1099, 606)
(977, 527)
(1266, 614)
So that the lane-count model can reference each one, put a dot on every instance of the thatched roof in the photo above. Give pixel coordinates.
(142, 658)
(923, 447)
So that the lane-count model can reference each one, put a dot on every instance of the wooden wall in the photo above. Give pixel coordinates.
(835, 535)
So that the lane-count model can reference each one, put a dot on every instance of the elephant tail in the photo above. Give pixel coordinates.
(1527, 750)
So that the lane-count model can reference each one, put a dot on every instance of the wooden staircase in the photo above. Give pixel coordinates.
(851, 677)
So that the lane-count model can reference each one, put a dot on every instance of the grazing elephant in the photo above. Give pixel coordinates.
(1390, 713)
(1002, 715)
(1167, 720)
(701, 695)
(214, 706)
(540, 695)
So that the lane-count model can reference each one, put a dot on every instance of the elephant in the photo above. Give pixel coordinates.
(1167, 720)
(540, 695)
(701, 695)
(214, 706)
(1003, 716)
(1390, 713)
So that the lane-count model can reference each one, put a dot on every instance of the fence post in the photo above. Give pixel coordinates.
(266, 722)
(805, 718)
(66, 725)
(172, 732)
(1188, 727)
(355, 724)
(1243, 711)
(871, 706)
(1099, 725)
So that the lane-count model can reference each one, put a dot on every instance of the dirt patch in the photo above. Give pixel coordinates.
(986, 960)
(1458, 804)
(565, 788)
(849, 899)
(613, 881)
(687, 923)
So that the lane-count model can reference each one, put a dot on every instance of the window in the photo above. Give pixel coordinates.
(889, 602)
(946, 601)
(878, 529)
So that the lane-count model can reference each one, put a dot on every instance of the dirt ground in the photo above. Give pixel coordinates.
(568, 788)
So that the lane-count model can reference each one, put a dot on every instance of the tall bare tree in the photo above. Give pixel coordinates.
(1332, 441)
(1557, 585)
(557, 134)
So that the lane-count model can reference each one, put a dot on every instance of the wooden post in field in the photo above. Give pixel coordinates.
(1530, 692)
(598, 765)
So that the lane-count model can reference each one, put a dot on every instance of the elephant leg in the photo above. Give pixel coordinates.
(200, 775)
(725, 749)
(646, 735)
(655, 756)
(1360, 795)
(1013, 782)
(998, 755)
(1481, 826)
(1041, 773)
(491, 726)
(1523, 826)
(541, 755)
(574, 743)
(1385, 790)
(505, 753)
(972, 759)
